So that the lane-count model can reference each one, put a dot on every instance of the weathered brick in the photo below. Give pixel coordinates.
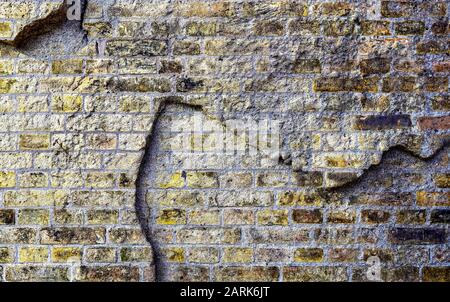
(375, 28)
(440, 216)
(434, 123)
(436, 274)
(374, 216)
(316, 273)
(382, 122)
(108, 274)
(247, 274)
(308, 255)
(417, 236)
(307, 216)
(410, 28)
(375, 65)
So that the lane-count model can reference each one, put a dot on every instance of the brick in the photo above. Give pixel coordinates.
(30, 273)
(172, 216)
(203, 255)
(304, 27)
(440, 216)
(208, 235)
(374, 216)
(433, 198)
(131, 48)
(73, 66)
(436, 274)
(202, 180)
(108, 274)
(434, 123)
(100, 255)
(397, 9)
(34, 141)
(334, 9)
(247, 274)
(17, 235)
(338, 28)
(400, 84)
(186, 48)
(292, 198)
(136, 254)
(288, 235)
(417, 236)
(334, 84)
(122, 235)
(306, 66)
(66, 254)
(431, 47)
(237, 255)
(7, 179)
(411, 217)
(436, 84)
(317, 273)
(6, 255)
(409, 28)
(442, 180)
(7, 217)
(268, 28)
(343, 255)
(375, 66)
(375, 28)
(272, 217)
(391, 199)
(33, 254)
(67, 103)
(33, 217)
(440, 28)
(308, 255)
(238, 217)
(67, 235)
(307, 216)
(341, 217)
(382, 122)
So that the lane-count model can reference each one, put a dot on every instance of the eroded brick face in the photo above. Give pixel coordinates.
(347, 80)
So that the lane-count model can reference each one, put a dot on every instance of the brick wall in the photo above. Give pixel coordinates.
(104, 178)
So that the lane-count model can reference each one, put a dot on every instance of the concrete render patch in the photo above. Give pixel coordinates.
(80, 118)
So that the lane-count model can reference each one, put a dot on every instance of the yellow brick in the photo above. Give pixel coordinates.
(100, 180)
(174, 254)
(34, 141)
(66, 254)
(308, 255)
(204, 217)
(5, 29)
(7, 179)
(36, 198)
(300, 199)
(174, 180)
(171, 216)
(237, 255)
(72, 66)
(67, 103)
(33, 180)
(273, 217)
(6, 67)
(202, 180)
(33, 254)
(34, 217)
